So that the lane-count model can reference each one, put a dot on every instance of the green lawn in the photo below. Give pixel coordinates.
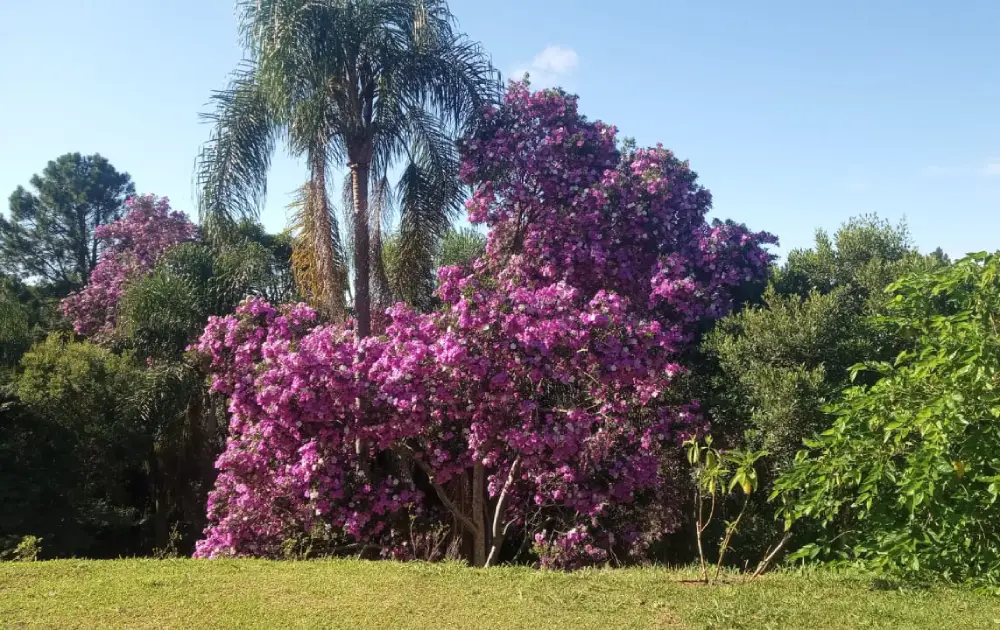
(193, 594)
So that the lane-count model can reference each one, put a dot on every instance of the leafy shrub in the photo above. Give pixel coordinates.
(717, 474)
(907, 478)
(85, 492)
(774, 367)
(782, 362)
(27, 550)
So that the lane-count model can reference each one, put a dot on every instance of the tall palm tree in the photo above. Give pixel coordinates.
(375, 85)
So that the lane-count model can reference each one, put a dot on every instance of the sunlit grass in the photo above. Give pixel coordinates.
(193, 594)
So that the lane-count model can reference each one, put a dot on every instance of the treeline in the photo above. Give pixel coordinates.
(606, 377)
(108, 448)
(109, 430)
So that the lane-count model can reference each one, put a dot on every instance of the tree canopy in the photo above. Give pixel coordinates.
(49, 237)
(367, 84)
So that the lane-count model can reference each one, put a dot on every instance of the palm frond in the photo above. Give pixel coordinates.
(380, 214)
(312, 223)
(380, 83)
(232, 167)
(428, 200)
(160, 314)
(461, 248)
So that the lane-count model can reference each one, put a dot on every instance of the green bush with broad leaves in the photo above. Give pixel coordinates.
(772, 368)
(907, 479)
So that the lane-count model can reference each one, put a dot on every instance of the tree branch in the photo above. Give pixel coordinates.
(498, 534)
(766, 561)
(448, 503)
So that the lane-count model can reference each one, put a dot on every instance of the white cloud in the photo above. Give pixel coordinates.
(990, 170)
(549, 67)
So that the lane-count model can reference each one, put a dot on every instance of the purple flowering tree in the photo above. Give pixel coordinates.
(132, 246)
(536, 406)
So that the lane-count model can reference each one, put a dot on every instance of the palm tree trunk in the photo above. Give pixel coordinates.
(326, 260)
(362, 270)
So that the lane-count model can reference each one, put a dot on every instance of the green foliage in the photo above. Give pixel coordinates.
(72, 452)
(160, 315)
(864, 256)
(103, 454)
(15, 335)
(781, 362)
(416, 285)
(27, 550)
(37, 303)
(717, 474)
(461, 247)
(49, 237)
(908, 477)
(774, 366)
(163, 312)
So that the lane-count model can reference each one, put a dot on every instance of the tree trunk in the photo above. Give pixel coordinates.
(479, 515)
(160, 499)
(362, 270)
(499, 531)
(83, 268)
(332, 298)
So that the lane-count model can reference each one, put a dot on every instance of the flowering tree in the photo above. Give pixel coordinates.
(132, 246)
(538, 401)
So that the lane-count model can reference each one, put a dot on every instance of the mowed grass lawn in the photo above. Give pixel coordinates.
(193, 594)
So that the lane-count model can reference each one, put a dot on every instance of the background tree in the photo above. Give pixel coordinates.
(14, 330)
(128, 396)
(458, 248)
(775, 366)
(49, 237)
(375, 83)
(865, 255)
(907, 477)
(72, 452)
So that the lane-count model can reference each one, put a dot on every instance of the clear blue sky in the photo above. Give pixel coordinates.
(797, 115)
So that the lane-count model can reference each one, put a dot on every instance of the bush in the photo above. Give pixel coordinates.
(27, 550)
(782, 362)
(908, 477)
(75, 451)
(773, 367)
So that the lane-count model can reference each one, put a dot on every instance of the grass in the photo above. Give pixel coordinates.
(193, 594)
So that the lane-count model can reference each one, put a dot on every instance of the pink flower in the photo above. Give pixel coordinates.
(556, 353)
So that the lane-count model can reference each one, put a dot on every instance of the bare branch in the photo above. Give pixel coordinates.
(767, 560)
(498, 535)
(448, 503)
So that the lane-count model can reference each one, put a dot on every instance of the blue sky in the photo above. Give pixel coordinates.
(797, 115)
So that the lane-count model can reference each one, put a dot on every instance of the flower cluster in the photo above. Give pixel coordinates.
(540, 394)
(132, 246)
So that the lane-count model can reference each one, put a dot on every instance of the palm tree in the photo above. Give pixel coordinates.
(415, 284)
(158, 316)
(373, 84)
